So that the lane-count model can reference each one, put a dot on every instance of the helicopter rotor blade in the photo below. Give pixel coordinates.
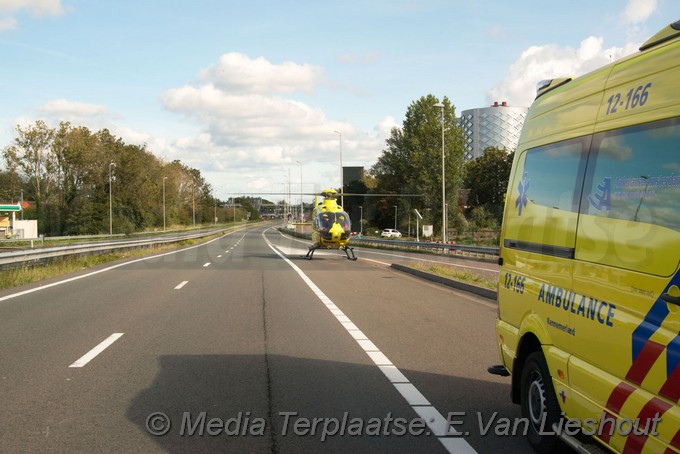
(321, 194)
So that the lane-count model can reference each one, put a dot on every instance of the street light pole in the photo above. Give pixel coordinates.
(361, 220)
(441, 106)
(164, 178)
(418, 218)
(302, 218)
(111, 164)
(193, 205)
(342, 177)
(395, 217)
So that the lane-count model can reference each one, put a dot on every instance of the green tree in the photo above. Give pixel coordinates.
(11, 186)
(72, 180)
(412, 161)
(250, 205)
(71, 148)
(137, 189)
(487, 180)
(31, 155)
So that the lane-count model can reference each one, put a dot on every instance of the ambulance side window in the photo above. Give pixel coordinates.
(634, 175)
(630, 209)
(552, 174)
(543, 198)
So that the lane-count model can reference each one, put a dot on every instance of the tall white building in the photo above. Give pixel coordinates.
(496, 126)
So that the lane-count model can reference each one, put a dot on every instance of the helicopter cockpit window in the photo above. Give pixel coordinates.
(342, 218)
(324, 221)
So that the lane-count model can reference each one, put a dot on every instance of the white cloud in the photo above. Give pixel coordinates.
(384, 128)
(253, 130)
(240, 119)
(250, 125)
(248, 136)
(638, 11)
(238, 72)
(550, 61)
(132, 136)
(73, 110)
(537, 63)
(37, 8)
(95, 117)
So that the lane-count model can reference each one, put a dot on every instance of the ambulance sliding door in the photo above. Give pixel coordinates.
(627, 345)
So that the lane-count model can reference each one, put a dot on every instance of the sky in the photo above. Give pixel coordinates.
(266, 95)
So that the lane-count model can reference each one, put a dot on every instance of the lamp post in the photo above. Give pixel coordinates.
(164, 178)
(302, 217)
(111, 165)
(418, 218)
(193, 205)
(342, 177)
(395, 217)
(361, 220)
(441, 106)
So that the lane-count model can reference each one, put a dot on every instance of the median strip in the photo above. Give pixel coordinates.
(484, 292)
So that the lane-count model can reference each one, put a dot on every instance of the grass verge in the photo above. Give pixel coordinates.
(462, 276)
(28, 274)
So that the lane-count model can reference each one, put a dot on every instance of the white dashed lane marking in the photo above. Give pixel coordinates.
(89, 356)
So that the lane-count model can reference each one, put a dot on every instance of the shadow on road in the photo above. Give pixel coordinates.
(253, 403)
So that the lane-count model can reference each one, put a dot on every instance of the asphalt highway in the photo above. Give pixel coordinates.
(242, 345)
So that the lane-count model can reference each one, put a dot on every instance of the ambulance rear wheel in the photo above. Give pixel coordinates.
(539, 403)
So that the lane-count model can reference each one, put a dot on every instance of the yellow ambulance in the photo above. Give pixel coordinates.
(589, 291)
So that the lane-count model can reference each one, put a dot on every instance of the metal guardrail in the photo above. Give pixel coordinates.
(418, 245)
(483, 250)
(41, 239)
(15, 259)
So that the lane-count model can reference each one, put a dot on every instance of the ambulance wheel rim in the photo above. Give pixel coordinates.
(537, 404)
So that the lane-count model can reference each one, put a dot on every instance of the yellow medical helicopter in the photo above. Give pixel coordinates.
(331, 226)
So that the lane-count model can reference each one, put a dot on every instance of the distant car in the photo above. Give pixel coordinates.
(390, 233)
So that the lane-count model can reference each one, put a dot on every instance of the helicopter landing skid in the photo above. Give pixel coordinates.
(310, 253)
(349, 252)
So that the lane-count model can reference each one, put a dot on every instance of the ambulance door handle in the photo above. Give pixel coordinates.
(671, 299)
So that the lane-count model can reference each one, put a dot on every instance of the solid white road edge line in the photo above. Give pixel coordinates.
(450, 438)
(364, 259)
(89, 356)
